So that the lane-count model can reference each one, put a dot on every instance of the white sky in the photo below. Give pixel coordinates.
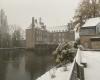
(53, 12)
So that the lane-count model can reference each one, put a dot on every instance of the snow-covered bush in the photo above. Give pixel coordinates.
(65, 52)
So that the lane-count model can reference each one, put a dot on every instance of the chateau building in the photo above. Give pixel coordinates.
(38, 34)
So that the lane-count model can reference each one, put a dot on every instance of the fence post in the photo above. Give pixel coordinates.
(81, 73)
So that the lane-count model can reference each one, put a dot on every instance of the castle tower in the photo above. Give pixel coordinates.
(30, 36)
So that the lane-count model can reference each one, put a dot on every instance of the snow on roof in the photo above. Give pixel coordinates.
(60, 74)
(39, 25)
(92, 22)
(58, 28)
(93, 65)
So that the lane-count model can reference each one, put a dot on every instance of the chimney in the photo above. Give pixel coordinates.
(33, 22)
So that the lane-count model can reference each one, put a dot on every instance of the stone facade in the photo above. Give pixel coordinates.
(38, 34)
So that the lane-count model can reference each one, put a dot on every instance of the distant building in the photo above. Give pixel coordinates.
(90, 33)
(38, 34)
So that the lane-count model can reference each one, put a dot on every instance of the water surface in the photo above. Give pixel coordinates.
(24, 65)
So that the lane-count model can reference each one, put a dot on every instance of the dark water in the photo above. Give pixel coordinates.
(23, 65)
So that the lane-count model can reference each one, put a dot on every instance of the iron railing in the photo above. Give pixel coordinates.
(77, 70)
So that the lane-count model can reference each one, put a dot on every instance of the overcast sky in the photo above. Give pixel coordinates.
(53, 12)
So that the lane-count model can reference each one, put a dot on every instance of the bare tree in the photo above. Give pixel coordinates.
(87, 9)
(16, 36)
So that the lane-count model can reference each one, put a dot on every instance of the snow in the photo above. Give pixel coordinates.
(76, 30)
(58, 28)
(77, 35)
(93, 65)
(77, 27)
(92, 22)
(78, 57)
(91, 72)
(59, 73)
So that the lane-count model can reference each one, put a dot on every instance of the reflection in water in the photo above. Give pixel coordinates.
(23, 65)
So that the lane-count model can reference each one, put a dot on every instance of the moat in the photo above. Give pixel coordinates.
(23, 64)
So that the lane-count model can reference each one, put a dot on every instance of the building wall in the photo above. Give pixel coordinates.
(29, 39)
(41, 36)
(95, 44)
(88, 43)
(85, 41)
(59, 37)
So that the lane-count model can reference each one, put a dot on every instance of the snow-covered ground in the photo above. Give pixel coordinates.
(59, 73)
(92, 72)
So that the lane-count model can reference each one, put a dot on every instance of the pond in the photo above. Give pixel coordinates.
(23, 64)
